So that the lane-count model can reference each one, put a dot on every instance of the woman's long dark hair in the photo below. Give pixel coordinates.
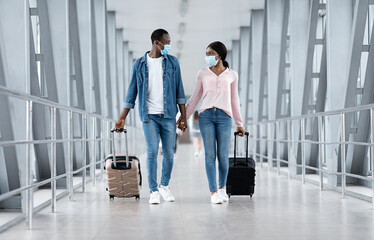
(196, 116)
(220, 48)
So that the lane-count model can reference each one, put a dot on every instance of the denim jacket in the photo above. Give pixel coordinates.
(172, 81)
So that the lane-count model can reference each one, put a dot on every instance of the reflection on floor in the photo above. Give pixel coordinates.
(280, 209)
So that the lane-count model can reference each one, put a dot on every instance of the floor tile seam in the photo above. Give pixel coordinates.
(102, 228)
(306, 190)
(320, 191)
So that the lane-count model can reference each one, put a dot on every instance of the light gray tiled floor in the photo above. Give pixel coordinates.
(280, 209)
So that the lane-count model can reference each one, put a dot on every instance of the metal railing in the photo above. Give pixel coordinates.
(289, 139)
(28, 189)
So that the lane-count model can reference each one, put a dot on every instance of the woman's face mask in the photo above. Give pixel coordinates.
(211, 61)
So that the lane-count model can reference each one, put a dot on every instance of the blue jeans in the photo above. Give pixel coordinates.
(159, 127)
(215, 127)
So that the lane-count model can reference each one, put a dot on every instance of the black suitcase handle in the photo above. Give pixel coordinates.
(118, 130)
(246, 149)
(128, 164)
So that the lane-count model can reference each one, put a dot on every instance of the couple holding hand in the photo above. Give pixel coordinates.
(156, 78)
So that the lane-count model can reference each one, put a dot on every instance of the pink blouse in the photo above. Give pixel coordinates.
(217, 91)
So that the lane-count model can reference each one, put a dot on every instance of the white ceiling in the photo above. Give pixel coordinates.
(205, 21)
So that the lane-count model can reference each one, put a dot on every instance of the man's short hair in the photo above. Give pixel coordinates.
(157, 35)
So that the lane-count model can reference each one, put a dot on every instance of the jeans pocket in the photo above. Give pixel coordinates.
(223, 113)
(203, 112)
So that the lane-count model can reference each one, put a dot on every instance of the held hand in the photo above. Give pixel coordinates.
(241, 131)
(120, 124)
(181, 123)
(184, 123)
(182, 127)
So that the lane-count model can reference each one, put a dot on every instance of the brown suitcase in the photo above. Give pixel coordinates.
(123, 173)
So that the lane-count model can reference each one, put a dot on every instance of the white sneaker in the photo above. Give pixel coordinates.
(222, 193)
(196, 154)
(216, 198)
(154, 198)
(166, 194)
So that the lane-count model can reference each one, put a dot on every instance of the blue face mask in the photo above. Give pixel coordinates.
(166, 49)
(211, 61)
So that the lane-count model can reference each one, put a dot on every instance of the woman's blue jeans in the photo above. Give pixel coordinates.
(215, 127)
(159, 127)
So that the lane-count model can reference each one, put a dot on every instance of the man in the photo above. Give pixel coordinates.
(156, 77)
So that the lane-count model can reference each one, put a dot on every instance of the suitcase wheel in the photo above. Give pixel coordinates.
(106, 189)
(229, 195)
(137, 197)
(251, 195)
(111, 196)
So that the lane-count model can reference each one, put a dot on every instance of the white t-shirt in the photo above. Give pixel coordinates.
(155, 98)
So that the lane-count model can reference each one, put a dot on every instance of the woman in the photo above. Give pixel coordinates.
(218, 86)
(196, 135)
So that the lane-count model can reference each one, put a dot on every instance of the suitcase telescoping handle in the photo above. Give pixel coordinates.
(246, 147)
(119, 130)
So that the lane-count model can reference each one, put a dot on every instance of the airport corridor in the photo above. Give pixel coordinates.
(280, 209)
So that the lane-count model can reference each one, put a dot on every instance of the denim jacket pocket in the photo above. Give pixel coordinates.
(170, 72)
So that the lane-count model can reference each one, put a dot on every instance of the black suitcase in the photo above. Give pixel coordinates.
(242, 172)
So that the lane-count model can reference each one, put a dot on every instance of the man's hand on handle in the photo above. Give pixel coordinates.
(241, 131)
(121, 120)
(120, 124)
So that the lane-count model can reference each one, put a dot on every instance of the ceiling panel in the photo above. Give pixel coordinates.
(192, 25)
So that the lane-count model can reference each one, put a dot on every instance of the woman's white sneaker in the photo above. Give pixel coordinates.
(166, 194)
(216, 198)
(223, 194)
(154, 198)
